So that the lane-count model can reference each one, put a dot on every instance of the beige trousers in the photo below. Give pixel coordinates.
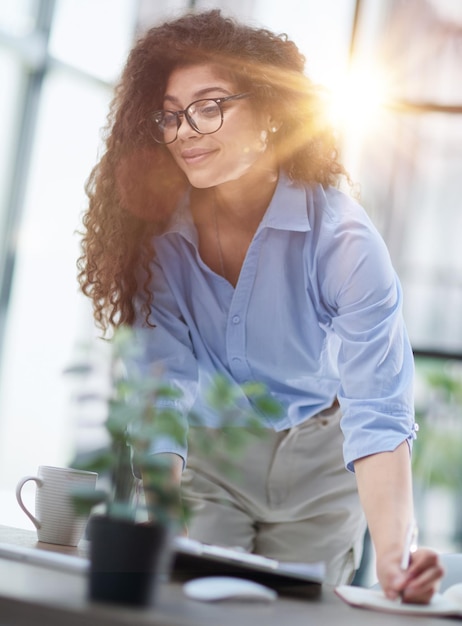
(290, 498)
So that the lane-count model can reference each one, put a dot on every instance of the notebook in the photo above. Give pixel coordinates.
(446, 604)
(193, 559)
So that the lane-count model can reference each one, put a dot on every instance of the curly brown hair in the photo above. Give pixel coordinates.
(136, 185)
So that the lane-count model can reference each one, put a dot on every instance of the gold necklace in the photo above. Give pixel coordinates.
(219, 248)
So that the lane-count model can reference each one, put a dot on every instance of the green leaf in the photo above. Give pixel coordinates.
(118, 419)
(168, 392)
(221, 393)
(98, 461)
(121, 510)
(253, 389)
(153, 462)
(85, 499)
(268, 406)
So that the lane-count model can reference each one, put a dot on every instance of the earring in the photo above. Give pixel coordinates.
(274, 129)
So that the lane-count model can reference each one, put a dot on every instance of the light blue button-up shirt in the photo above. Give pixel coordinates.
(316, 315)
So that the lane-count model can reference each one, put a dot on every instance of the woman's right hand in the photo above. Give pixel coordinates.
(415, 585)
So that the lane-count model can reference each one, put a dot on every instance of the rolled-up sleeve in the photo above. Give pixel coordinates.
(375, 359)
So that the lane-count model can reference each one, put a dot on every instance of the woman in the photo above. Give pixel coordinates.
(215, 224)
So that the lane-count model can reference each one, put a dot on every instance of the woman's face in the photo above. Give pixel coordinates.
(226, 155)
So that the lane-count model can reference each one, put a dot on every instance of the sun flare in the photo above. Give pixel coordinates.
(357, 100)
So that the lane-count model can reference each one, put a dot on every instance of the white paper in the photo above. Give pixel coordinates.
(376, 600)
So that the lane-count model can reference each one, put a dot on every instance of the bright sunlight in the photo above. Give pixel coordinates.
(356, 102)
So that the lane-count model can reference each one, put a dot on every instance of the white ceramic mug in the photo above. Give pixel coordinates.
(55, 518)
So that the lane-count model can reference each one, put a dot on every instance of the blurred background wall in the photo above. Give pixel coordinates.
(394, 73)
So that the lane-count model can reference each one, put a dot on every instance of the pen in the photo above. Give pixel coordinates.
(410, 544)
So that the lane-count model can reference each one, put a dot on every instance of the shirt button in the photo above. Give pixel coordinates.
(236, 359)
(236, 319)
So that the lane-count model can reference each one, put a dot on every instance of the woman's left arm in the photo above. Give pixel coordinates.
(385, 489)
(363, 295)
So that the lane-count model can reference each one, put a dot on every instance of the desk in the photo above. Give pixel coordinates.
(39, 596)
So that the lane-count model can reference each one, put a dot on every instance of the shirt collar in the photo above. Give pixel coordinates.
(288, 207)
(286, 211)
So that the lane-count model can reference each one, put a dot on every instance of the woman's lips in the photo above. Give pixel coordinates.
(193, 156)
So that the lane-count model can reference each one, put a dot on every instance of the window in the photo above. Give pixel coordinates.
(58, 61)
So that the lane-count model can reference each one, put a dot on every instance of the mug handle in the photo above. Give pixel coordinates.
(19, 487)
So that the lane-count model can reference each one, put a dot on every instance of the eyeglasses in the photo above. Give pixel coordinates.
(205, 116)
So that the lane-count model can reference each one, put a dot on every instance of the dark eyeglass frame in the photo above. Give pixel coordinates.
(184, 113)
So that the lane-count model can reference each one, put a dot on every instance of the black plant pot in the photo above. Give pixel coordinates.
(127, 560)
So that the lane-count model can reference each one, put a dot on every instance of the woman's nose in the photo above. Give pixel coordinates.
(186, 129)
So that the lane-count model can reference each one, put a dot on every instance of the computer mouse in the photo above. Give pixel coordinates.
(214, 588)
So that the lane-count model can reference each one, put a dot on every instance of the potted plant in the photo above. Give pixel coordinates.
(140, 407)
(437, 458)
